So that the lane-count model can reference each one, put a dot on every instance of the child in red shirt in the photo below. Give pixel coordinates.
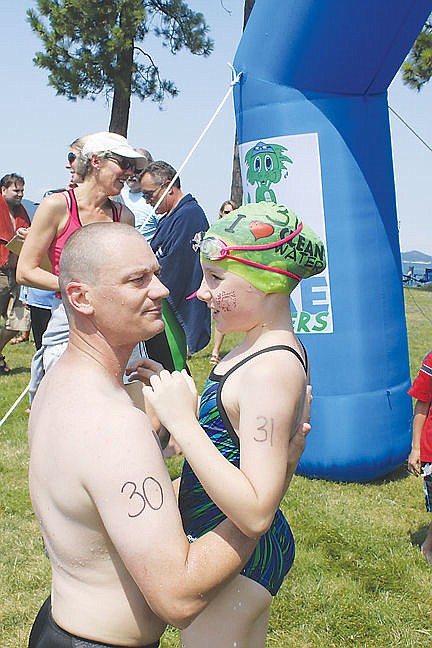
(420, 458)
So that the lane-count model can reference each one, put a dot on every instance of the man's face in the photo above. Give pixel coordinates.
(134, 184)
(152, 191)
(128, 294)
(13, 194)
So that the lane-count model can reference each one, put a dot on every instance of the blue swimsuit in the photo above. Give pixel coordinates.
(274, 554)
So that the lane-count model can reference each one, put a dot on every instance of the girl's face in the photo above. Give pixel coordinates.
(236, 305)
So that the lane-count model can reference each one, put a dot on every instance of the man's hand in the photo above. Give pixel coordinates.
(22, 232)
(414, 465)
(298, 441)
(143, 370)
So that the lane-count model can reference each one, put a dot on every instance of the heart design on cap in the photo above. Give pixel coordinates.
(260, 229)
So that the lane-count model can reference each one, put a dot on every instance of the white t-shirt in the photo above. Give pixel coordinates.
(146, 221)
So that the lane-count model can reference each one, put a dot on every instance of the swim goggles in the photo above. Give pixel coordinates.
(214, 249)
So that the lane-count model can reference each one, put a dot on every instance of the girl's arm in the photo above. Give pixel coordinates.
(270, 405)
(46, 223)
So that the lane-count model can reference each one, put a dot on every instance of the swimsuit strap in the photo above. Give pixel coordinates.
(222, 379)
(277, 347)
(72, 206)
(116, 211)
(306, 360)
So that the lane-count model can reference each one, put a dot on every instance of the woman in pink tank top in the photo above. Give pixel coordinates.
(106, 161)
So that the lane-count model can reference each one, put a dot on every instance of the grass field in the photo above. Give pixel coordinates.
(358, 581)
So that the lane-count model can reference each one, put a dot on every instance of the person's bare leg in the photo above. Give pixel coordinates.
(217, 343)
(238, 617)
(5, 336)
(22, 337)
(426, 547)
(258, 632)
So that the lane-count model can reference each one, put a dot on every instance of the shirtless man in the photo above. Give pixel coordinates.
(122, 566)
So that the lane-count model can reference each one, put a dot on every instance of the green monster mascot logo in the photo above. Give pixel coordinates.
(265, 163)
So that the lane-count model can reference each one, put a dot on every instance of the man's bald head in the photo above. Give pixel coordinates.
(89, 249)
(109, 284)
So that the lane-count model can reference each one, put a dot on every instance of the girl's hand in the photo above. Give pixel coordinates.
(174, 399)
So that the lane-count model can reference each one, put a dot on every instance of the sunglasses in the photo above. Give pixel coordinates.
(124, 163)
(214, 249)
(71, 157)
(148, 195)
(227, 211)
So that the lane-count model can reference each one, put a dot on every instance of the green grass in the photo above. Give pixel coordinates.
(359, 579)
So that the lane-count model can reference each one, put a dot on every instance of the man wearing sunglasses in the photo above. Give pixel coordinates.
(181, 217)
(131, 195)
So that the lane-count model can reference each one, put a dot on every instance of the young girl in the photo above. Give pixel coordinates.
(238, 462)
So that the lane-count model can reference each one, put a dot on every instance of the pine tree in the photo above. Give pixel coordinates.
(417, 69)
(93, 47)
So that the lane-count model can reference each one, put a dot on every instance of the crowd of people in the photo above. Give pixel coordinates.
(121, 272)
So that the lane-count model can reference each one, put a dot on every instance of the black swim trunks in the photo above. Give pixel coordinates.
(45, 633)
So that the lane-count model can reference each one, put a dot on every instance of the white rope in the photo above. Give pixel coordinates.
(18, 400)
(235, 78)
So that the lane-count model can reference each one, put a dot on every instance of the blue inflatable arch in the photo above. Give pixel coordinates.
(313, 128)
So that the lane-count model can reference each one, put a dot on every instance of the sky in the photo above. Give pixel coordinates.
(37, 125)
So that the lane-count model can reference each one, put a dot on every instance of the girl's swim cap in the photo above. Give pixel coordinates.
(280, 249)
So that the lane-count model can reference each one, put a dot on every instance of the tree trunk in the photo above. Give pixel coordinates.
(123, 79)
(120, 111)
(248, 6)
(236, 182)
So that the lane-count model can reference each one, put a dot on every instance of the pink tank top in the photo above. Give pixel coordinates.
(73, 223)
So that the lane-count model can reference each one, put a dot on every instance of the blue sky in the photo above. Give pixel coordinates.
(37, 126)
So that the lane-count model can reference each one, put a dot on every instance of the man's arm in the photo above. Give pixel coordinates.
(132, 491)
(420, 414)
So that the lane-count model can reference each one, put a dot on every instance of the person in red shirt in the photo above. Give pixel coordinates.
(13, 220)
(420, 458)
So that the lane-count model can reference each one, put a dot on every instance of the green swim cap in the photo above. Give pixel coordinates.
(263, 227)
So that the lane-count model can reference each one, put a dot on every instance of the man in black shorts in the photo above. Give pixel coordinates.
(122, 566)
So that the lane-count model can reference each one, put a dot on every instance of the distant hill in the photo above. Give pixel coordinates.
(414, 256)
(420, 261)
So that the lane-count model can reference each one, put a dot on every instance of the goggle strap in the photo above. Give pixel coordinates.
(263, 267)
(267, 246)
